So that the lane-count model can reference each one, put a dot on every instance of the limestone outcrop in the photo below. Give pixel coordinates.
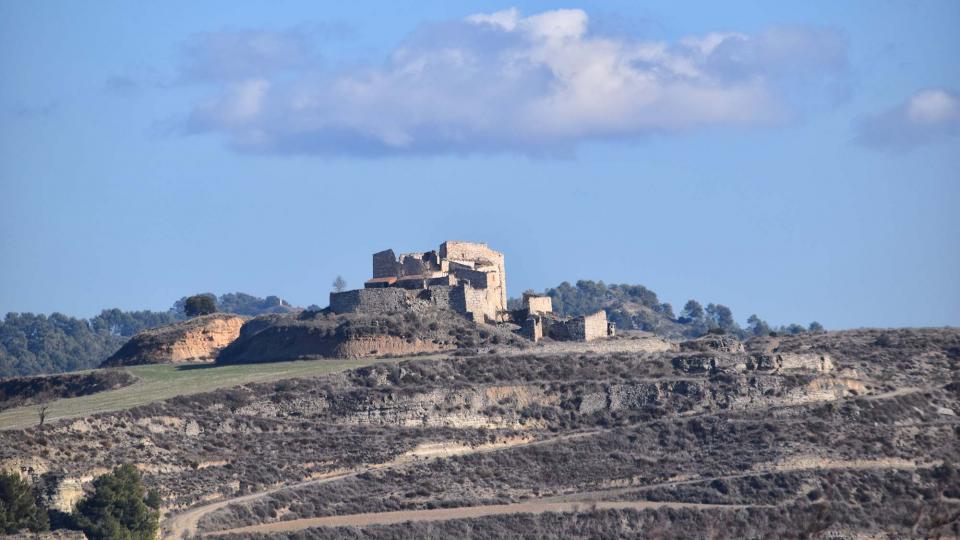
(195, 340)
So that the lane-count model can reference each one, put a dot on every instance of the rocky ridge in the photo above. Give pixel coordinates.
(195, 340)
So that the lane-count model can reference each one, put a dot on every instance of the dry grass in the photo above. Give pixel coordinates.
(162, 381)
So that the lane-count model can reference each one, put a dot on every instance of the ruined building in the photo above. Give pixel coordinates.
(537, 320)
(466, 277)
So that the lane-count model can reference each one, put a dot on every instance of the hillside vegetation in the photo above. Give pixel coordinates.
(635, 307)
(837, 434)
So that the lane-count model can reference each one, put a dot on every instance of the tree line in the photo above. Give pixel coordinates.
(34, 344)
(635, 307)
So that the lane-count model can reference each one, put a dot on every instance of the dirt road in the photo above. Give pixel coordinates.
(185, 523)
(440, 514)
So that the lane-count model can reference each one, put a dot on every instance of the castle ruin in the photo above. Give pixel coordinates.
(468, 278)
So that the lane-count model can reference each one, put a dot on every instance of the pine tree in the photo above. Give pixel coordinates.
(118, 509)
(18, 506)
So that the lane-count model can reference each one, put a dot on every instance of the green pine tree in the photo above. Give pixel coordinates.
(118, 509)
(18, 506)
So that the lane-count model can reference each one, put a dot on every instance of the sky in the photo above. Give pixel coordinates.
(800, 160)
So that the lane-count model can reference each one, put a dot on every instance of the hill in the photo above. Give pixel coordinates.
(837, 434)
(321, 334)
(33, 344)
(193, 340)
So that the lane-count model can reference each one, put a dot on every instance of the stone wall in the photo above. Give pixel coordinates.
(537, 303)
(463, 299)
(471, 302)
(440, 296)
(478, 279)
(532, 328)
(389, 299)
(479, 304)
(585, 328)
(477, 252)
(385, 264)
(595, 326)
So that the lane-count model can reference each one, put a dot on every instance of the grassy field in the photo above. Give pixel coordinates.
(163, 381)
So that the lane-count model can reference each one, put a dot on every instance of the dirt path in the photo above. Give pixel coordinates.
(441, 514)
(906, 390)
(185, 523)
(573, 502)
(176, 526)
(793, 465)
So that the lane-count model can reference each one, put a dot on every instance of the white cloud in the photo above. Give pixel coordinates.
(933, 107)
(503, 82)
(926, 117)
(506, 19)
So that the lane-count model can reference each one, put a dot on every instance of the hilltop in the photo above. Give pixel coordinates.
(193, 340)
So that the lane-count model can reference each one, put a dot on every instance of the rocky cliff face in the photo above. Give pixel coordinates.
(194, 340)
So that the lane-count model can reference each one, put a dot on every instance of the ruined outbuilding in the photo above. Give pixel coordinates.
(537, 320)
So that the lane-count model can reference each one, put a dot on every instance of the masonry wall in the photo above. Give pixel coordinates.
(532, 328)
(538, 304)
(470, 251)
(411, 264)
(595, 326)
(389, 299)
(479, 280)
(440, 296)
(563, 329)
(385, 264)
(585, 328)
(471, 302)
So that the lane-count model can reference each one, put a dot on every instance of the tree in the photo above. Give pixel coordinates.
(692, 312)
(42, 412)
(200, 304)
(18, 506)
(721, 316)
(118, 508)
(757, 326)
(339, 284)
(793, 329)
(815, 327)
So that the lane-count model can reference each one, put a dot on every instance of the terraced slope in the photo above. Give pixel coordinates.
(840, 434)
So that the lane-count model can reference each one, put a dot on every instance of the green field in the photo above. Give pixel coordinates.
(163, 381)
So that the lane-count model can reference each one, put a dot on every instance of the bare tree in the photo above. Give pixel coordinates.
(339, 284)
(42, 412)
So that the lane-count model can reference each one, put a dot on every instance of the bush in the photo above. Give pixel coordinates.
(118, 508)
(18, 506)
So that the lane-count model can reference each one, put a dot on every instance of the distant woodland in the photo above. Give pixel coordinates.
(32, 344)
(635, 307)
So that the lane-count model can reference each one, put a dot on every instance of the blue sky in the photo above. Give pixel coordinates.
(801, 162)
